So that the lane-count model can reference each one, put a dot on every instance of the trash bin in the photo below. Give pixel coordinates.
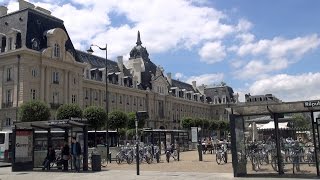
(96, 162)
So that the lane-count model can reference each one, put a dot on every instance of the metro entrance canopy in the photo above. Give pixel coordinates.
(239, 136)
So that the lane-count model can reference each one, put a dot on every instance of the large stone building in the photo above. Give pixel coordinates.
(39, 62)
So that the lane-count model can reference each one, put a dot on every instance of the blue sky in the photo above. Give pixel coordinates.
(256, 47)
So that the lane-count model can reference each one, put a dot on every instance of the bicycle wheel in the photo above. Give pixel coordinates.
(118, 159)
(218, 159)
(129, 159)
(255, 164)
(168, 156)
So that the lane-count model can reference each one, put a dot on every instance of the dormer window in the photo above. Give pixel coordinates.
(10, 43)
(56, 51)
(3, 43)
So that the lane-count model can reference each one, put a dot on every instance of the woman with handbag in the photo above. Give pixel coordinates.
(65, 152)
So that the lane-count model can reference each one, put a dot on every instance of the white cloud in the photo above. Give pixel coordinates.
(289, 87)
(244, 25)
(280, 47)
(164, 24)
(212, 52)
(206, 79)
(245, 38)
(236, 63)
(256, 69)
(179, 76)
(274, 55)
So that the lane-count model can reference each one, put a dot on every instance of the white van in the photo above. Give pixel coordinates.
(5, 146)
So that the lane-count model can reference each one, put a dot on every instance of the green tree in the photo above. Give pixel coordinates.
(223, 125)
(34, 111)
(205, 123)
(96, 117)
(131, 124)
(214, 125)
(187, 122)
(117, 119)
(67, 111)
(197, 122)
(300, 121)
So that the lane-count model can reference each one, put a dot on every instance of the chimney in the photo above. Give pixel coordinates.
(120, 63)
(201, 88)
(194, 85)
(3, 11)
(169, 78)
(43, 10)
(24, 4)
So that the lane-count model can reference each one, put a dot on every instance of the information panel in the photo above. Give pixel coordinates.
(23, 145)
(194, 134)
(22, 150)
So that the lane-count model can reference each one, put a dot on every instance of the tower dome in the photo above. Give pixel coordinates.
(139, 51)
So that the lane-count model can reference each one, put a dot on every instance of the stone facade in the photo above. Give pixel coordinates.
(38, 61)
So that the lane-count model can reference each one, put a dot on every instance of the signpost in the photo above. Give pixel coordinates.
(139, 116)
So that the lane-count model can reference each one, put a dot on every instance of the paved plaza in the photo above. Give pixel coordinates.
(187, 168)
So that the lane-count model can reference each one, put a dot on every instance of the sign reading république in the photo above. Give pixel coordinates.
(311, 103)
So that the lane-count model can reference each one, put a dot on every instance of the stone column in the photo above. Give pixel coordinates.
(42, 82)
(65, 87)
(48, 81)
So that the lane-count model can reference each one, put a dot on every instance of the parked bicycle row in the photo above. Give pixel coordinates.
(293, 153)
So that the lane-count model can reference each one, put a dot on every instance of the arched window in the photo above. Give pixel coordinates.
(56, 50)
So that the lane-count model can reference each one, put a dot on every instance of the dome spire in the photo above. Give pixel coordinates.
(138, 39)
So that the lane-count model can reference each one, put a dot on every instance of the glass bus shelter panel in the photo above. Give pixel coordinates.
(259, 143)
(317, 143)
(297, 144)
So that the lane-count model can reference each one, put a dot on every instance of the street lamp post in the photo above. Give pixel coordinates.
(106, 78)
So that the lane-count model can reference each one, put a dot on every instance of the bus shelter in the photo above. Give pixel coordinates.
(279, 146)
(32, 139)
(165, 137)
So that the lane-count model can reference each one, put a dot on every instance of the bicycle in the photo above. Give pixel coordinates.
(220, 156)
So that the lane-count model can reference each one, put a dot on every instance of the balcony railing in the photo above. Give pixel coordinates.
(55, 82)
(55, 105)
(7, 104)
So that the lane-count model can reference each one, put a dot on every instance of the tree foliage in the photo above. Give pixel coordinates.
(187, 122)
(223, 125)
(205, 123)
(34, 111)
(300, 121)
(96, 116)
(131, 124)
(67, 111)
(214, 125)
(117, 120)
(197, 122)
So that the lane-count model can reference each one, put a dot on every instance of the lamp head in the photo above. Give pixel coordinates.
(90, 51)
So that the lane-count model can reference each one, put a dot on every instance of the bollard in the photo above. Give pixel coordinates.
(109, 157)
(158, 157)
(178, 155)
(200, 151)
